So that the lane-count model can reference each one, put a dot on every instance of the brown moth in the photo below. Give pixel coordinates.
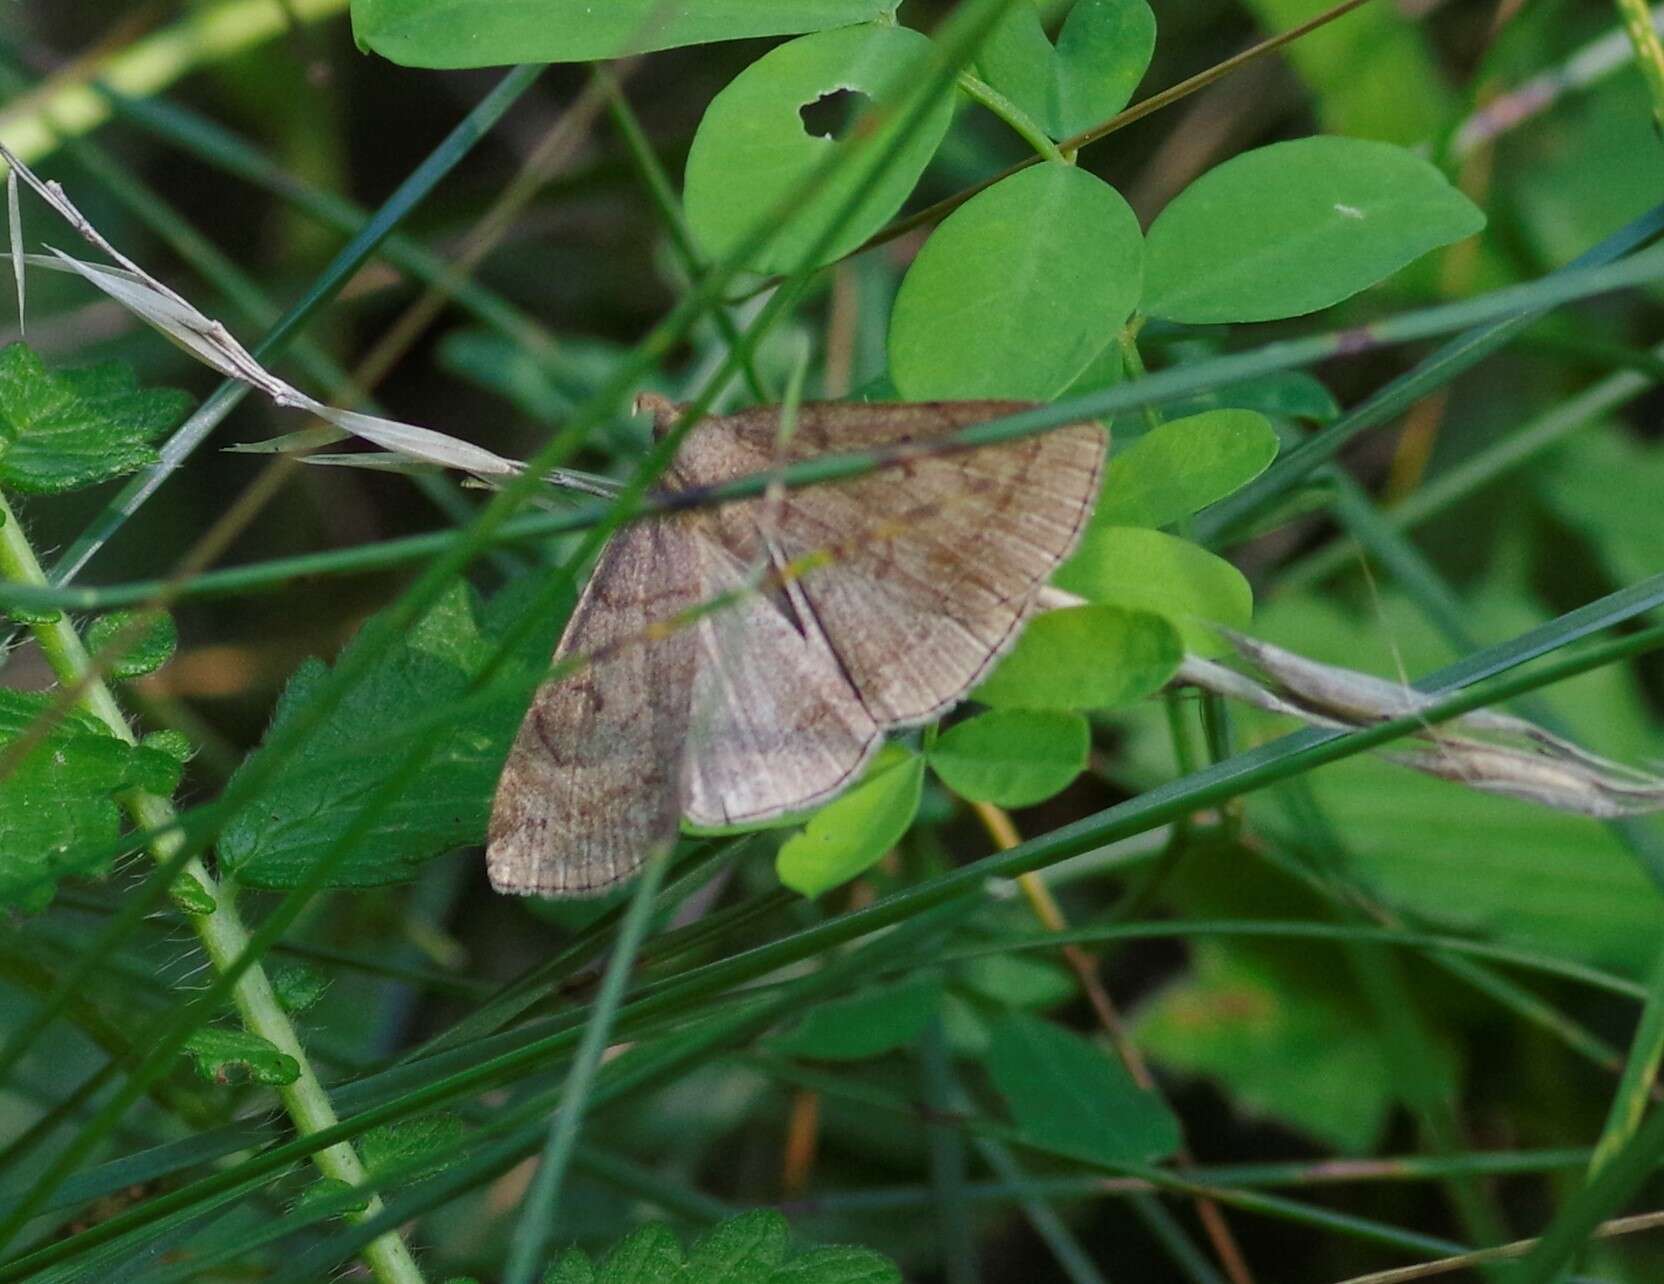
(885, 598)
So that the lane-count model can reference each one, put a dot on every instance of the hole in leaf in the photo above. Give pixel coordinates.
(831, 115)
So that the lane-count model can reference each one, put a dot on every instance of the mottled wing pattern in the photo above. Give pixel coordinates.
(933, 561)
(775, 725)
(596, 778)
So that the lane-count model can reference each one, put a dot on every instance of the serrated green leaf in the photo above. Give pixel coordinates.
(220, 1053)
(28, 616)
(275, 840)
(1183, 466)
(333, 1193)
(1294, 227)
(741, 1249)
(837, 1264)
(484, 33)
(416, 1147)
(751, 1248)
(571, 1267)
(155, 771)
(752, 154)
(1085, 657)
(59, 803)
(146, 644)
(1146, 570)
(1103, 51)
(60, 431)
(297, 985)
(1068, 1093)
(868, 1024)
(189, 896)
(175, 744)
(647, 1256)
(983, 312)
(1012, 757)
(849, 834)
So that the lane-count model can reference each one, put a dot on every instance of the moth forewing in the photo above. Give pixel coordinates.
(595, 780)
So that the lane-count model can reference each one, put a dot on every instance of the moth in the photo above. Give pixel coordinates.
(859, 606)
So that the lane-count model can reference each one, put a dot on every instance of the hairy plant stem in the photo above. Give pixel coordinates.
(222, 931)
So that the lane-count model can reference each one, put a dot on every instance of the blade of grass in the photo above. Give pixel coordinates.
(955, 1234)
(1250, 770)
(1167, 385)
(1482, 469)
(385, 627)
(456, 145)
(223, 934)
(1640, 1076)
(542, 1202)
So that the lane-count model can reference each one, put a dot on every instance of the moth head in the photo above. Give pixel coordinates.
(665, 412)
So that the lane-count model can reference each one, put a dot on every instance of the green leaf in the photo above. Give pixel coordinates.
(305, 808)
(1017, 980)
(1018, 290)
(1359, 70)
(1299, 1056)
(867, 1024)
(189, 896)
(1605, 485)
(837, 1264)
(571, 1267)
(484, 33)
(646, 1256)
(1148, 570)
(1288, 394)
(424, 1145)
(1294, 227)
(333, 1192)
(297, 985)
(1102, 53)
(146, 643)
(1183, 466)
(1012, 757)
(59, 802)
(753, 157)
(220, 1052)
(848, 835)
(1066, 1092)
(175, 744)
(60, 431)
(1085, 657)
(741, 1249)
(749, 1249)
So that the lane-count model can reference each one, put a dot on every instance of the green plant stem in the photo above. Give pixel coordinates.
(222, 931)
(542, 1202)
(1649, 53)
(1629, 1102)
(981, 91)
